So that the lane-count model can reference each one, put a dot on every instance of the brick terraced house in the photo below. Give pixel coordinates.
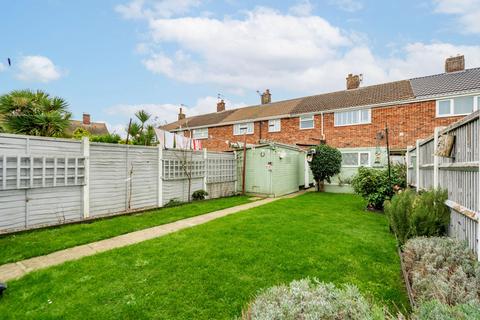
(352, 120)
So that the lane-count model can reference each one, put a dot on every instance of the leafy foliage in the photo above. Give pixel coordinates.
(375, 186)
(34, 113)
(142, 133)
(442, 269)
(199, 195)
(307, 299)
(80, 132)
(326, 163)
(411, 215)
(435, 310)
(173, 203)
(106, 138)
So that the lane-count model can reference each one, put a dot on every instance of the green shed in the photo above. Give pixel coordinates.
(273, 169)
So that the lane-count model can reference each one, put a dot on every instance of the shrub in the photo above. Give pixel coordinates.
(398, 175)
(399, 212)
(434, 310)
(80, 132)
(173, 203)
(373, 186)
(430, 216)
(307, 299)
(106, 138)
(441, 269)
(199, 195)
(326, 162)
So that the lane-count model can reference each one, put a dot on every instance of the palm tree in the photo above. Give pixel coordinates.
(33, 113)
(141, 133)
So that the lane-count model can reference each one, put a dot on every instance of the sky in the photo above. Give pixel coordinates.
(111, 58)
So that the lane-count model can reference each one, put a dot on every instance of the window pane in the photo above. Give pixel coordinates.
(463, 105)
(350, 159)
(365, 116)
(306, 122)
(364, 157)
(444, 107)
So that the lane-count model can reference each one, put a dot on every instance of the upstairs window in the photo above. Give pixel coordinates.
(200, 133)
(274, 125)
(355, 159)
(347, 118)
(243, 128)
(306, 122)
(458, 106)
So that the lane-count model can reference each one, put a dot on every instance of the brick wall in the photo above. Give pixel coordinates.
(406, 123)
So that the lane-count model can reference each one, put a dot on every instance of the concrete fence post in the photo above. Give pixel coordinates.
(306, 166)
(160, 176)
(86, 177)
(407, 164)
(205, 176)
(436, 159)
(478, 195)
(417, 165)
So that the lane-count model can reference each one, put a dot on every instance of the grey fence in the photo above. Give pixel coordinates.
(459, 174)
(47, 181)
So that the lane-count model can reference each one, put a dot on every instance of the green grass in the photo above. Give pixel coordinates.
(29, 244)
(211, 271)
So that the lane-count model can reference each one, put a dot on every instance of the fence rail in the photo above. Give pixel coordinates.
(459, 174)
(46, 181)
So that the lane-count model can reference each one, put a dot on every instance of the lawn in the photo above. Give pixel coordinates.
(29, 244)
(211, 271)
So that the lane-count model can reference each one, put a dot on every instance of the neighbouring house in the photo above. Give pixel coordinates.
(95, 128)
(353, 120)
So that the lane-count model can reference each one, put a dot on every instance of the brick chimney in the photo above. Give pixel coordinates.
(453, 64)
(220, 106)
(353, 81)
(86, 118)
(266, 97)
(181, 115)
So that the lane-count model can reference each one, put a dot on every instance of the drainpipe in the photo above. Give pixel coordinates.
(322, 137)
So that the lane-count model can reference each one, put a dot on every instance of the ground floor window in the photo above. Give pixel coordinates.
(356, 159)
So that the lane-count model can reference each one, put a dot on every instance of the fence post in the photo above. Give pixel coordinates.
(305, 172)
(478, 196)
(236, 171)
(205, 160)
(407, 164)
(86, 178)
(436, 159)
(417, 164)
(160, 176)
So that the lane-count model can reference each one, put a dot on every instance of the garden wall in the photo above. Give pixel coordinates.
(458, 173)
(46, 181)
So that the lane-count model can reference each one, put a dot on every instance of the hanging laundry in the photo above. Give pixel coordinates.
(160, 136)
(169, 140)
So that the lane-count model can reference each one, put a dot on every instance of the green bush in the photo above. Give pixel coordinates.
(412, 215)
(199, 195)
(373, 186)
(441, 269)
(173, 203)
(326, 162)
(399, 211)
(435, 310)
(106, 138)
(307, 299)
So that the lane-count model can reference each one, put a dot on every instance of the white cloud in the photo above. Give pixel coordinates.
(347, 5)
(268, 49)
(138, 9)
(166, 113)
(302, 8)
(467, 11)
(37, 68)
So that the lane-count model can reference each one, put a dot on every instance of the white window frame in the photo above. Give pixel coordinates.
(358, 159)
(237, 128)
(452, 107)
(335, 114)
(307, 118)
(200, 133)
(274, 125)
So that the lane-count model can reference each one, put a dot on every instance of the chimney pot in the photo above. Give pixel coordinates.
(86, 118)
(453, 64)
(220, 106)
(266, 97)
(353, 81)
(181, 115)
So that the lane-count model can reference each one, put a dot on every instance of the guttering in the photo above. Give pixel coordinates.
(368, 106)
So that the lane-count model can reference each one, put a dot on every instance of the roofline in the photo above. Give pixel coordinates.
(369, 106)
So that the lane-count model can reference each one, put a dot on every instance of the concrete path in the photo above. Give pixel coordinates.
(18, 269)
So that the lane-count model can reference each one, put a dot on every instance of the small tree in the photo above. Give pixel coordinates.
(326, 162)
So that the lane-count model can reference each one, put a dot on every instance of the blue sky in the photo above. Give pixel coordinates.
(111, 58)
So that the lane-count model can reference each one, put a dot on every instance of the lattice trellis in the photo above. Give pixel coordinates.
(25, 172)
(178, 169)
(221, 170)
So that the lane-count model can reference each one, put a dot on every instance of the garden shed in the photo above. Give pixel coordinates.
(273, 169)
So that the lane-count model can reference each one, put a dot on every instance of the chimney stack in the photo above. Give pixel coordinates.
(181, 115)
(220, 106)
(86, 118)
(353, 81)
(453, 64)
(266, 97)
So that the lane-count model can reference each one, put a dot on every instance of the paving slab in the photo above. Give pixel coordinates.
(18, 269)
